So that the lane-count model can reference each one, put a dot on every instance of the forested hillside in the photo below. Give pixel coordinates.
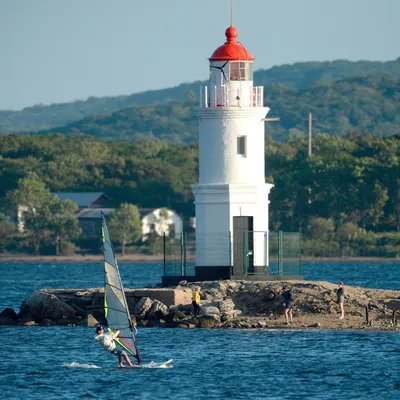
(362, 104)
(298, 76)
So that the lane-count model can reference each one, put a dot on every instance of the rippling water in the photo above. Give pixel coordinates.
(60, 362)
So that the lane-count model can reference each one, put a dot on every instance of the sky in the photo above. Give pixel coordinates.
(54, 51)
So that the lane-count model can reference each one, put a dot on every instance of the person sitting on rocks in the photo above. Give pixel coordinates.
(340, 299)
(196, 301)
(288, 303)
(106, 340)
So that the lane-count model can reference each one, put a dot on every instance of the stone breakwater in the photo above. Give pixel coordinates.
(224, 304)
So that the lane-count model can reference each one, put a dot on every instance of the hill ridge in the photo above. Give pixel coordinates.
(298, 75)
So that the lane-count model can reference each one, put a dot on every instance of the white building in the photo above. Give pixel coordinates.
(162, 220)
(231, 197)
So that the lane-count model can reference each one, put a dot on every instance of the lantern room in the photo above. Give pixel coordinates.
(231, 76)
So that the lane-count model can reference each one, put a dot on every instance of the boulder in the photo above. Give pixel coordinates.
(210, 312)
(46, 322)
(174, 316)
(158, 309)
(30, 323)
(155, 323)
(91, 321)
(79, 312)
(185, 308)
(206, 321)
(45, 306)
(143, 307)
(226, 308)
(63, 322)
(131, 301)
(261, 324)
(8, 317)
(96, 307)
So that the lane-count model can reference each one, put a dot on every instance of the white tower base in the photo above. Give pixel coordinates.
(216, 208)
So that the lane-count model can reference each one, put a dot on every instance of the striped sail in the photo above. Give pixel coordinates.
(116, 308)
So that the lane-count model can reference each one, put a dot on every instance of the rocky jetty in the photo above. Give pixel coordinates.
(224, 304)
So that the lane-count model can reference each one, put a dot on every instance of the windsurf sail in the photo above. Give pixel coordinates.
(115, 306)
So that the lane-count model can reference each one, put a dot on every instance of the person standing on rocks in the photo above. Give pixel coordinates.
(106, 340)
(196, 301)
(340, 299)
(288, 304)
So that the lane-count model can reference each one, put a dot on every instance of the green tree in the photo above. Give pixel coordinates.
(155, 242)
(7, 228)
(124, 225)
(321, 229)
(348, 234)
(31, 193)
(47, 221)
(320, 239)
(63, 224)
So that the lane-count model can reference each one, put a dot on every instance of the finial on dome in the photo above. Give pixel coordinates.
(231, 34)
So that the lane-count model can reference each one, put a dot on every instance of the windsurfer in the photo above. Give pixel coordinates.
(106, 340)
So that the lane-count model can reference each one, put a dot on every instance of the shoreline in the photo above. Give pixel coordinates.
(225, 304)
(26, 258)
(310, 322)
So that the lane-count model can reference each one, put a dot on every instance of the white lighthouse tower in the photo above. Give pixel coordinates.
(231, 198)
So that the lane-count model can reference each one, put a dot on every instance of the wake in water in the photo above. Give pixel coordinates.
(78, 365)
(153, 364)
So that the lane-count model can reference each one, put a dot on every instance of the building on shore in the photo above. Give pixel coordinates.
(92, 204)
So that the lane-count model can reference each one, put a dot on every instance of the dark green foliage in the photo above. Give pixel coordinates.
(147, 174)
(124, 225)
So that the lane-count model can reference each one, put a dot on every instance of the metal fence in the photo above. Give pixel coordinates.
(246, 253)
(254, 253)
(285, 254)
(179, 255)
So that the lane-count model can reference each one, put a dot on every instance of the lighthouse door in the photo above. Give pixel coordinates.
(243, 246)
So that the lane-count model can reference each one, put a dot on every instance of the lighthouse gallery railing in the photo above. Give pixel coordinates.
(223, 96)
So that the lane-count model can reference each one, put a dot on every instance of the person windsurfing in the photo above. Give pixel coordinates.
(107, 341)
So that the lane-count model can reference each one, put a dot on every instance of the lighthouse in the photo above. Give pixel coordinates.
(231, 196)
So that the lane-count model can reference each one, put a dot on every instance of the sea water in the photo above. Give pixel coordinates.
(66, 363)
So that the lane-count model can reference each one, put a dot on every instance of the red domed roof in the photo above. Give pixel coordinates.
(232, 50)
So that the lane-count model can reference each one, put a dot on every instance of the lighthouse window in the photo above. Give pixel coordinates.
(234, 71)
(241, 145)
(241, 71)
